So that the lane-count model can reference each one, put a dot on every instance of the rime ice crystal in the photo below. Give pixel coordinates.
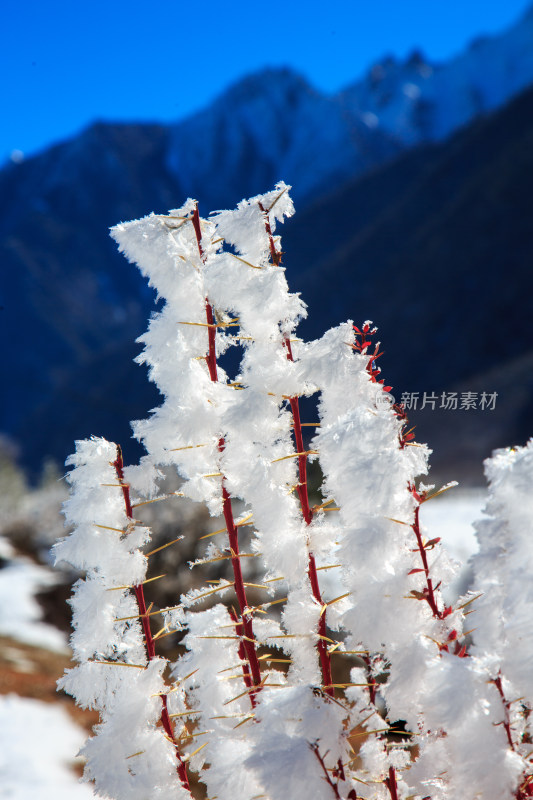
(306, 729)
(128, 757)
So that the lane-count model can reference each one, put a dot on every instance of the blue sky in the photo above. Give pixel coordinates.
(65, 64)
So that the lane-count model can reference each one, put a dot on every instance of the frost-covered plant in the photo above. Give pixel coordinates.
(360, 685)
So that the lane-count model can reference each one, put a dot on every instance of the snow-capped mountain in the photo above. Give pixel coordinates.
(269, 125)
(70, 305)
(417, 101)
(274, 124)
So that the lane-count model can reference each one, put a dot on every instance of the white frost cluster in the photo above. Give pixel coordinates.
(129, 757)
(502, 568)
(379, 694)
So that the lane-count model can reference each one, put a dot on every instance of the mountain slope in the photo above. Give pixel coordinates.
(436, 248)
(444, 267)
(455, 232)
(417, 101)
(67, 296)
(271, 126)
(421, 224)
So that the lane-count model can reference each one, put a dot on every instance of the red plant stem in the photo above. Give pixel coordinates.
(248, 639)
(244, 626)
(275, 256)
(118, 464)
(303, 494)
(239, 629)
(145, 620)
(333, 786)
(302, 459)
(371, 680)
(211, 357)
(390, 783)
(429, 593)
(506, 721)
(197, 230)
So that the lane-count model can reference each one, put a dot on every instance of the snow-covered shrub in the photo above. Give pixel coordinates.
(347, 675)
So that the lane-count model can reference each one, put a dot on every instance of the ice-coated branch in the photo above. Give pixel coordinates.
(266, 206)
(303, 494)
(138, 590)
(117, 673)
(244, 625)
(351, 678)
(502, 614)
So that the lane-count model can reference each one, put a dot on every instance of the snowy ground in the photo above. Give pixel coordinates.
(450, 516)
(38, 740)
(20, 614)
(38, 743)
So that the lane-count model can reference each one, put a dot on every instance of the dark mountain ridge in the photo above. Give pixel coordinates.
(416, 239)
(443, 267)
